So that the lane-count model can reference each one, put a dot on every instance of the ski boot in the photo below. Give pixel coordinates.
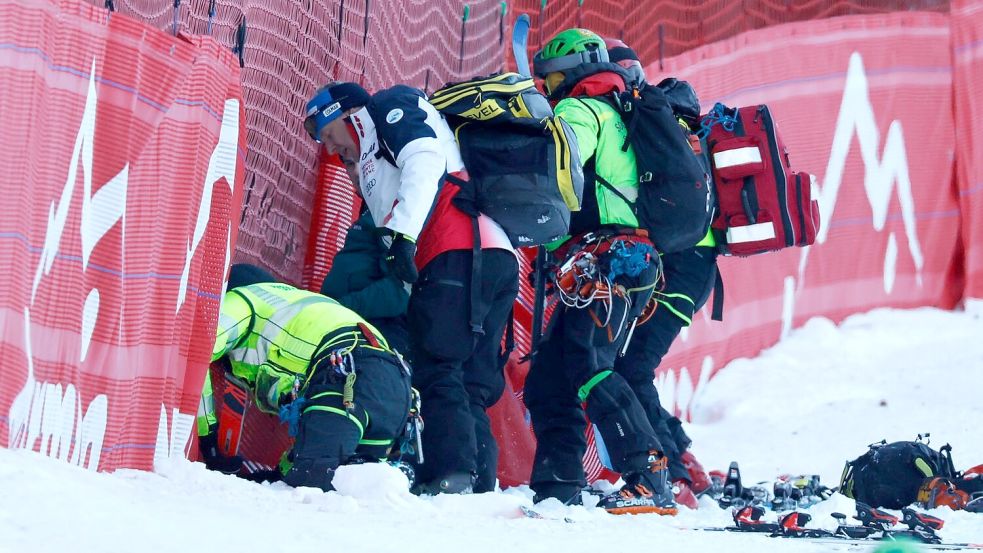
(716, 489)
(784, 497)
(939, 492)
(568, 493)
(461, 483)
(647, 491)
(759, 494)
(699, 481)
(684, 495)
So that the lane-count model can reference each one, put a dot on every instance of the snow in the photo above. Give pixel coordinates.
(804, 406)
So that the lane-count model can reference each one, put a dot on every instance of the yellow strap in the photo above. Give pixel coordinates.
(473, 90)
(452, 94)
(564, 178)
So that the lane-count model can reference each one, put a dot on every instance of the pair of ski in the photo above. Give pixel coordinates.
(875, 525)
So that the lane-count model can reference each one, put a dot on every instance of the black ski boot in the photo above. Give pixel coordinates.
(566, 492)
(458, 482)
(646, 491)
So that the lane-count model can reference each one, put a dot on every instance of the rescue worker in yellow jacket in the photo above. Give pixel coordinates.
(322, 369)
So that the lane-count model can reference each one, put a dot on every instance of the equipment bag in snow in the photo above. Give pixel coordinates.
(889, 475)
(763, 205)
(523, 165)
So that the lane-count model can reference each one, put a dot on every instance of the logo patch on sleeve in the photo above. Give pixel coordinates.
(394, 116)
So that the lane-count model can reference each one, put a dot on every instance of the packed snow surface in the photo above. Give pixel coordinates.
(804, 406)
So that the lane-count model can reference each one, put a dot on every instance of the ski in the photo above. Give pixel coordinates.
(849, 542)
(520, 43)
(520, 39)
(866, 542)
(875, 526)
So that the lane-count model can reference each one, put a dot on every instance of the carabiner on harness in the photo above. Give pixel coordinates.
(575, 280)
(411, 442)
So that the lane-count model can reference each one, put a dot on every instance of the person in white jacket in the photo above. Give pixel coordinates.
(404, 151)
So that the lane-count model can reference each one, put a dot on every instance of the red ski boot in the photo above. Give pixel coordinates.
(700, 482)
(684, 494)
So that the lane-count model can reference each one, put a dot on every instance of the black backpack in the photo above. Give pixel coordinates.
(523, 164)
(675, 195)
(889, 475)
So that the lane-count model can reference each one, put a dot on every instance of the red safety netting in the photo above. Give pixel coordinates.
(122, 184)
(967, 59)
(292, 47)
(864, 103)
(657, 29)
(295, 213)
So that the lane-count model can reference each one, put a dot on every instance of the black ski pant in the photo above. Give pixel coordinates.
(689, 279)
(330, 435)
(458, 372)
(573, 367)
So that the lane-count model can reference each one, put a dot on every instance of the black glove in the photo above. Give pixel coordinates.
(401, 258)
(208, 446)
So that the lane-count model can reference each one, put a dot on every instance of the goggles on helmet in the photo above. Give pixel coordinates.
(543, 67)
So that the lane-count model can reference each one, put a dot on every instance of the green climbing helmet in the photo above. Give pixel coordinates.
(567, 50)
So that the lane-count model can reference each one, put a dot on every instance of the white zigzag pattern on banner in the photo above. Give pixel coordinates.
(856, 117)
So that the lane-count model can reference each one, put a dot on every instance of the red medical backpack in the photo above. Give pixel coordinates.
(762, 204)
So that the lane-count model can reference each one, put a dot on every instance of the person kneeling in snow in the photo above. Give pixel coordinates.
(324, 370)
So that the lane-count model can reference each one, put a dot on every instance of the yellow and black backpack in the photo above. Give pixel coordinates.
(523, 164)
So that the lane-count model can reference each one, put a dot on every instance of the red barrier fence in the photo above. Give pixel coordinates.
(291, 48)
(105, 264)
(658, 29)
(294, 46)
(967, 60)
(122, 182)
(865, 104)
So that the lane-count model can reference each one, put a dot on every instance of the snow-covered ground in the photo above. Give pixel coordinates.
(804, 406)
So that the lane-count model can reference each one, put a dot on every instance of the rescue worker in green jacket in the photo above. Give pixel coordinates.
(608, 270)
(690, 277)
(319, 366)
